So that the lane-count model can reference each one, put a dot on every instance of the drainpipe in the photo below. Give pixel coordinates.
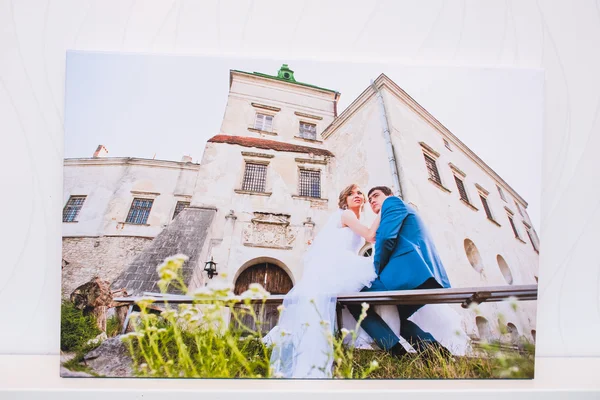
(396, 186)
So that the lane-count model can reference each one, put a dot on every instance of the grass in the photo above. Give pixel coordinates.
(76, 328)
(196, 341)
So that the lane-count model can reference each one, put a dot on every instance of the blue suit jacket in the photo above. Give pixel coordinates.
(405, 255)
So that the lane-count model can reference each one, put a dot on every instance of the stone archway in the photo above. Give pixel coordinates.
(275, 280)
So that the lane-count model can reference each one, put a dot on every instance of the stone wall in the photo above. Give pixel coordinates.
(106, 257)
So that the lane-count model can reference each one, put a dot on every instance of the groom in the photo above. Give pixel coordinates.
(405, 258)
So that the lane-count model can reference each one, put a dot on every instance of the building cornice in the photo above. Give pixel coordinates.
(398, 92)
(118, 161)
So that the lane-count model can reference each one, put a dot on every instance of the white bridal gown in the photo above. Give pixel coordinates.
(331, 266)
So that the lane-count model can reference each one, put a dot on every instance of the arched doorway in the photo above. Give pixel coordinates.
(275, 280)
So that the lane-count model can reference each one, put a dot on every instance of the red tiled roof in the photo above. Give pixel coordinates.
(268, 144)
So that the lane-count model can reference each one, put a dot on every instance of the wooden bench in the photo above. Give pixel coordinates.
(463, 296)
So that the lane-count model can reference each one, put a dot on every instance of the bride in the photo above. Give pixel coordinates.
(302, 338)
(302, 347)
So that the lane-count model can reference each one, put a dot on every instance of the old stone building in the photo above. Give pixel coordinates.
(268, 181)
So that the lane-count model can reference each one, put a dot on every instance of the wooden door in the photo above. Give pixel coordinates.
(275, 281)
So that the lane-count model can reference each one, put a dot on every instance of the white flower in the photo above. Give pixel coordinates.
(344, 332)
(365, 306)
(145, 301)
(374, 364)
(169, 313)
(512, 300)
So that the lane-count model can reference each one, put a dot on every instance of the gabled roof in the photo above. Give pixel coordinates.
(245, 141)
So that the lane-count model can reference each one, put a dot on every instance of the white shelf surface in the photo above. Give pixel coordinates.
(37, 377)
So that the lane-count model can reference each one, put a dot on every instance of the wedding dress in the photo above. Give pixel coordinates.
(302, 337)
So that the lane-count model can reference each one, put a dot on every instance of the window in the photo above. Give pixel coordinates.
(310, 183)
(512, 224)
(504, 269)
(434, 174)
(71, 210)
(486, 207)
(139, 211)
(483, 328)
(255, 177)
(473, 255)
(447, 144)
(264, 122)
(308, 131)
(501, 193)
(519, 208)
(533, 244)
(180, 206)
(461, 189)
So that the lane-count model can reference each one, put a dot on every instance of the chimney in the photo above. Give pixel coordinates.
(186, 159)
(100, 151)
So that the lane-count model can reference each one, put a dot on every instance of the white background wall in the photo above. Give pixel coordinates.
(560, 37)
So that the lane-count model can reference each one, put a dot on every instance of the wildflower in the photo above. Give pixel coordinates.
(145, 301)
(365, 306)
(178, 258)
(169, 313)
(131, 335)
(374, 364)
(512, 300)
(345, 332)
(284, 333)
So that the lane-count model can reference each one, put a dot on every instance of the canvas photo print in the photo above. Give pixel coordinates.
(287, 219)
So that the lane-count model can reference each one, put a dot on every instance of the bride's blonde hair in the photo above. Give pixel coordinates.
(343, 199)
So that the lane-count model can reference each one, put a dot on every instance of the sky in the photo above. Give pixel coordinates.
(165, 107)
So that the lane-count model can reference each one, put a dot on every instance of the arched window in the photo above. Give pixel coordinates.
(275, 281)
(473, 255)
(504, 269)
(483, 328)
(513, 332)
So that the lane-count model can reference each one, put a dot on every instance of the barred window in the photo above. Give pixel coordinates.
(71, 210)
(432, 169)
(179, 207)
(308, 131)
(255, 177)
(486, 207)
(533, 244)
(514, 228)
(139, 211)
(501, 192)
(264, 122)
(310, 183)
(461, 189)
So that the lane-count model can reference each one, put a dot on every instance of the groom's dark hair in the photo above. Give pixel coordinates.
(384, 189)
